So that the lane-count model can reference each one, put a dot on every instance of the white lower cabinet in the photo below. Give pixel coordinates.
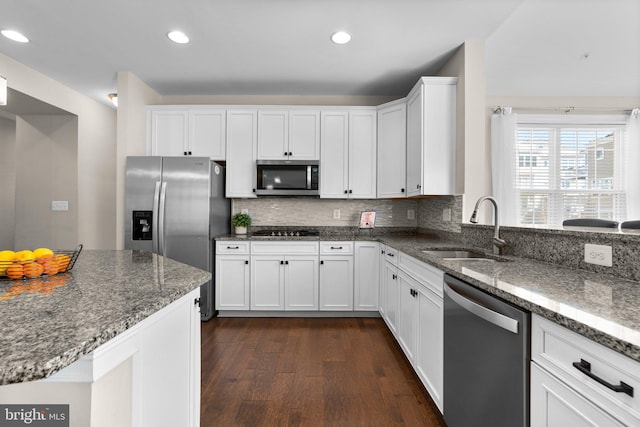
(408, 313)
(232, 275)
(283, 280)
(389, 288)
(366, 276)
(578, 382)
(336, 276)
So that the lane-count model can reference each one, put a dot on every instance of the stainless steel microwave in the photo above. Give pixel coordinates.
(287, 178)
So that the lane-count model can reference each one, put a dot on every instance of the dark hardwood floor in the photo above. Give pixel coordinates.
(308, 372)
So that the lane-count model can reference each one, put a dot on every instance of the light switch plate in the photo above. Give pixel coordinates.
(336, 214)
(59, 205)
(598, 254)
(411, 214)
(446, 214)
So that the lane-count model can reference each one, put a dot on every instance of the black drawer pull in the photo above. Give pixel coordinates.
(336, 247)
(390, 254)
(233, 247)
(585, 367)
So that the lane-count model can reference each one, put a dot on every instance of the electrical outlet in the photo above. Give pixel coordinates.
(598, 254)
(244, 211)
(446, 215)
(336, 214)
(59, 205)
(411, 214)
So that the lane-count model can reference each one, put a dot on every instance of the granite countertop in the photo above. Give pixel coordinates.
(603, 308)
(50, 322)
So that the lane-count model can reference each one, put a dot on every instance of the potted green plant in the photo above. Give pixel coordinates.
(241, 221)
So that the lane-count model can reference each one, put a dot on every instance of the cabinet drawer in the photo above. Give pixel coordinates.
(557, 349)
(284, 248)
(232, 247)
(336, 248)
(391, 255)
(423, 273)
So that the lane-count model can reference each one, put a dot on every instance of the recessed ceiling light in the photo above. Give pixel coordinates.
(340, 37)
(178, 37)
(15, 36)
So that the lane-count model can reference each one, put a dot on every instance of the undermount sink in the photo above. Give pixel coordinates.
(462, 255)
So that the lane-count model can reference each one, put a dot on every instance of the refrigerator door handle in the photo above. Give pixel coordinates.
(161, 209)
(154, 221)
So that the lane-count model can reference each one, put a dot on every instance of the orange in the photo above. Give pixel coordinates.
(15, 271)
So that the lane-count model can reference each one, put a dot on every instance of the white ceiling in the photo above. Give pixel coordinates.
(282, 47)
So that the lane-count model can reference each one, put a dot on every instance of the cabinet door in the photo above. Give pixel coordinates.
(391, 296)
(304, 135)
(301, 283)
(267, 282)
(273, 135)
(392, 151)
(430, 343)
(407, 314)
(554, 404)
(334, 156)
(336, 283)
(366, 276)
(382, 299)
(207, 133)
(414, 142)
(362, 154)
(241, 153)
(169, 133)
(232, 282)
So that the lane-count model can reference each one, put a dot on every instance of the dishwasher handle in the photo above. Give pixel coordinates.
(498, 319)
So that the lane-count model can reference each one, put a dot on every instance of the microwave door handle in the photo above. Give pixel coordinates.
(309, 177)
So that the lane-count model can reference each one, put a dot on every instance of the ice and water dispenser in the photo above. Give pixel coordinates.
(142, 223)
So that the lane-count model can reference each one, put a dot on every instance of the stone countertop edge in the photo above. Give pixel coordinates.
(602, 308)
(99, 299)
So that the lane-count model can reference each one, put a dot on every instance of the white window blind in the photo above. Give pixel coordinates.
(569, 170)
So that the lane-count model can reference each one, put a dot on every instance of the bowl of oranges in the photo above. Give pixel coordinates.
(29, 264)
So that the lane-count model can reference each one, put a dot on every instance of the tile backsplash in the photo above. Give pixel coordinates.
(431, 213)
(284, 211)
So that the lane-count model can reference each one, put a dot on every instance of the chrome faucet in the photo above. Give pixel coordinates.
(498, 243)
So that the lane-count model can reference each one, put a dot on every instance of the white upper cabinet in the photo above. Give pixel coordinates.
(187, 132)
(241, 153)
(392, 149)
(288, 134)
(431, 137)
(348, 156)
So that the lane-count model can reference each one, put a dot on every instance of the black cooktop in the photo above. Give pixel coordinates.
(288, 233)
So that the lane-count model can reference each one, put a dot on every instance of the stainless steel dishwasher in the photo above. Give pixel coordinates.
(486, 358)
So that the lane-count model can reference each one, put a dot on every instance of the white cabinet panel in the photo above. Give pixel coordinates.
(392, 149)
(304, 134)
(429, 363)
(408, 314)
(334, 156)
(554, 404)
(431, 137)
(362, 154)
(289, 134)
(366, 276)
(232, 282)
(168, 133)
(207, 133)
(336, 283)
(301, 283)
(241, 153)
(267, 282)
(391, 296)
(273, 134)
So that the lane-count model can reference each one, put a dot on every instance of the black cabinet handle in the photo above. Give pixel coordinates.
(281, 262)
(185, 153)
(285, 154)
(233, 247)
(290, 153)
(393, 276)
(382, 252)
(336, 247)
(585, 367)
(189, 152)
(254, 190)
(246, 261)
(390, 254)
(350, 191)
(402, 190)
(345, 191)
(322, 262)
(286, 262)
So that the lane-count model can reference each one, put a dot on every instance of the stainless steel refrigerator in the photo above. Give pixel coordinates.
(175, 206)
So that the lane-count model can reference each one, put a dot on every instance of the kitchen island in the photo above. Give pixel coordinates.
(113, 339)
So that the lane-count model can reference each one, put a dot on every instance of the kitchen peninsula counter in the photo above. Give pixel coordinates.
(603, 308)
(51, 322)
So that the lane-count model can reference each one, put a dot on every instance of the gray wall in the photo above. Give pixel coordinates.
(46, 165)
(7, 182)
